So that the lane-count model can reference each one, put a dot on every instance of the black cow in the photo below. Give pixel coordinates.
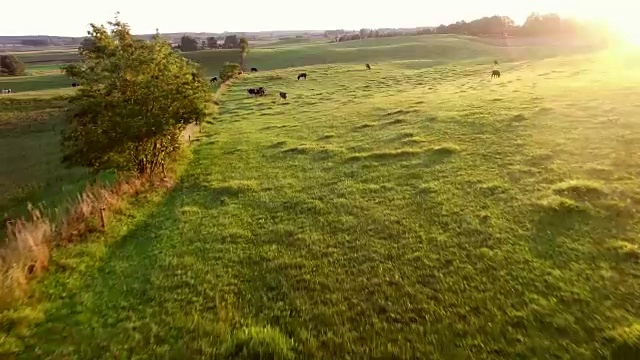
(75, 84)
(214, 79)
(495, 62)
(254, 70)
(368, 67)
(283, 95)
(495, 73)
(302, 75)
(257, 91)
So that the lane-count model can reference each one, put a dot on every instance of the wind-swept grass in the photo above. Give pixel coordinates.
(509, 230)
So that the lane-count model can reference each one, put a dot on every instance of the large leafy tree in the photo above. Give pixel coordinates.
(11, 65)
(187, 43)
(212, 42)
(231, 41)
(136, 98)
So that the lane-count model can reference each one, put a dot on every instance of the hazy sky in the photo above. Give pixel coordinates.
(71, 17)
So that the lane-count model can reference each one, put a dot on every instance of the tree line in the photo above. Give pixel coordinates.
(188, 43)
(535, 25)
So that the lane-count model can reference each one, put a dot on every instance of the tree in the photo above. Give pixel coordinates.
(187, 43)
(364, 33)
(212, 42)
(11, 65)
(86, 44)
(231, 42)
(229, 71)
(244, 49)
(204, 45)
(537, 24)
(135, 100)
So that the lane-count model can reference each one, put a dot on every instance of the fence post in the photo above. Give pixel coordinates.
(102, 221)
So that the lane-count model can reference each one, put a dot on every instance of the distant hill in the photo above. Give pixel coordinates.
(30, 41)
(38, 41)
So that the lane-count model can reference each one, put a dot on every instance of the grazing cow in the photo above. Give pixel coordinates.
(214, 79)
(495, 73)
(257, 91)
(75, 84)
(368, 67)
(283, 95)
(495, 62)
(302, 75)
(7, 91)
(254, 70)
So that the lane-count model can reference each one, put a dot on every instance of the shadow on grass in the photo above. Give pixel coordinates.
(143, 292)
(560, 218)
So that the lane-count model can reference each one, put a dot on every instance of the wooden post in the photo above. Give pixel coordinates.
(102, 221)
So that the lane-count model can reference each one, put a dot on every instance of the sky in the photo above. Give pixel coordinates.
(71, 17)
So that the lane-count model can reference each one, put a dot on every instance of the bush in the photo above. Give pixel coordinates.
(229, 71)
(11, 65)
(135, 100)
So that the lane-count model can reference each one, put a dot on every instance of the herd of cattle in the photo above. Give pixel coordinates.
(261, 91)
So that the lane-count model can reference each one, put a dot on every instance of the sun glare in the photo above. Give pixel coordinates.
(628, 30)
(621, 17)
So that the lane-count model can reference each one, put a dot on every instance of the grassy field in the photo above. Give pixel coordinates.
(306, 52)
(30, 125)
(439, 49)
(37, 177)
(418, 210)
(49, 57)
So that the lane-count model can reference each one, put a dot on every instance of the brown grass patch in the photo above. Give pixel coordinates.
(25, 252)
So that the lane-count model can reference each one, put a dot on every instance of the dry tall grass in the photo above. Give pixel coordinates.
(29, 242)
(25, 254)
